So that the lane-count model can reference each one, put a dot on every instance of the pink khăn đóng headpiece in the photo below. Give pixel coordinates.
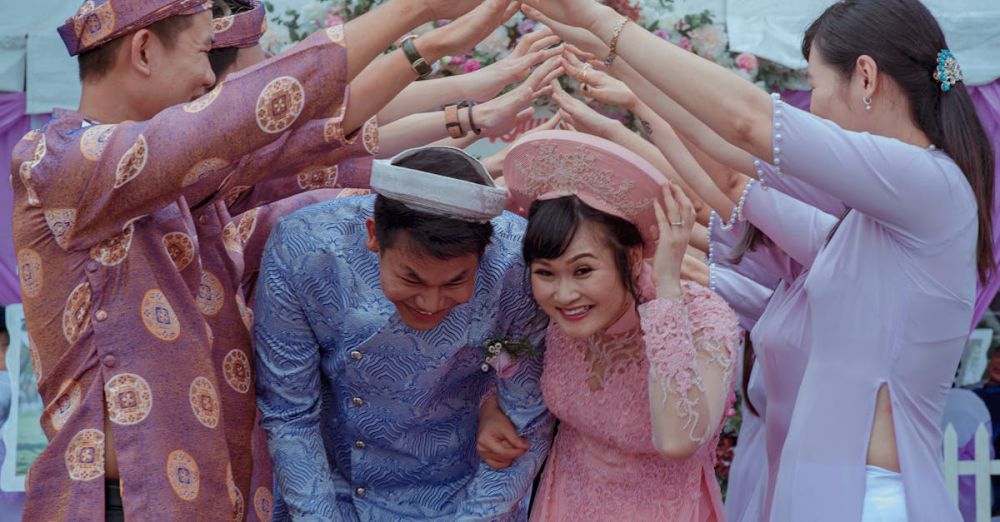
(608, 177)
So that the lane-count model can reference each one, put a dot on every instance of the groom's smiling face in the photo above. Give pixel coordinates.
(423, 287)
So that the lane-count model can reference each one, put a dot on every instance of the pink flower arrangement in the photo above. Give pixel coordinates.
(747, 62)
(471, 65)
(684, 43)
(505, 365)
(503, 356)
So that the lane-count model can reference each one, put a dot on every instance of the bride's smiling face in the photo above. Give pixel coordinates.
(582, 290)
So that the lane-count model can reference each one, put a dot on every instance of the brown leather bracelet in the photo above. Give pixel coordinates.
(472, 122)
(452, 123)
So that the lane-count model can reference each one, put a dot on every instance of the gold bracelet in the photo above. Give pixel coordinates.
(613, 53)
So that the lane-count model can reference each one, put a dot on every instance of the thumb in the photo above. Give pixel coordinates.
(511, 10)
(524, 116)
(509, 434)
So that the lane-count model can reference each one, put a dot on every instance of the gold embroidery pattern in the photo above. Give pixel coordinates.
(85, 455)
(210, 294)
(279, 104)
(236, 370)
(94, 140)
(65, 404)
(202, 169)
(113, 250)
(318, 177)
(204, 402)
(159, 317)
(184, 475)
(129, 399)
(76, 314)
(180, 248)
(29, 271)
(132, 162)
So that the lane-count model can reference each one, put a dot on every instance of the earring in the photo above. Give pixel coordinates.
(868, 103)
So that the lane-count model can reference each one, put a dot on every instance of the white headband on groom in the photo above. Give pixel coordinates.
(439, 195)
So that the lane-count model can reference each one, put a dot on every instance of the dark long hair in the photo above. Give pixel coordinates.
(904, 39)
(751, 239)
(749, 357)
(553, 223)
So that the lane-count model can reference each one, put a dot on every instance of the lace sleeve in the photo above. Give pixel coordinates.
(691, 345)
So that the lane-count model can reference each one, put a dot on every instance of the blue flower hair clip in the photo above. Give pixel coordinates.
(948, 72)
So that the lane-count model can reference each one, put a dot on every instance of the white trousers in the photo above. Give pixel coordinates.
(884, 497)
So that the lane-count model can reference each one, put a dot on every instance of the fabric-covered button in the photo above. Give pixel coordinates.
(358, 401)
(356, 355)
(110, 361)
(360, 492)
(202, 219)
(101, 315)
(360, 444)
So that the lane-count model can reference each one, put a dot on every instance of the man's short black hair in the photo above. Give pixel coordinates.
(437, 236)
(96, 62)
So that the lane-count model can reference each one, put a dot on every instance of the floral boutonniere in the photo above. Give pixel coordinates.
(503, 355)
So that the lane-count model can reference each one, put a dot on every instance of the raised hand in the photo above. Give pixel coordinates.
(694, 269)
(673, 232)
(599, 85)
(494, 163)
(532, 50)
(575, 13)
(449, 9)
(585, 42)
(580, 116)
(498, 116)
(464, 33)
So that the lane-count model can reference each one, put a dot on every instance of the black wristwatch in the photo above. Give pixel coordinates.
(422, 68)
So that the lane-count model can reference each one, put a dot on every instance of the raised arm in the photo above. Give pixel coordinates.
(693, 130)
(747, 297)
(479, 86)
(896, 176)
(690, 341)
(691, 344)
(128, 170)
(720, 191)
(795, 227)
(492, 118)
(586, 119)
(386, 77)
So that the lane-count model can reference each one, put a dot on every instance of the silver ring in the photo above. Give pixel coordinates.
(586, 70)
(677, 223)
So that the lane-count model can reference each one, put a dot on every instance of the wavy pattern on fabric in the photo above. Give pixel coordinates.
(367, 418)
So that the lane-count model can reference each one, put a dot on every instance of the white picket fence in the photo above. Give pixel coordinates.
(982, 467)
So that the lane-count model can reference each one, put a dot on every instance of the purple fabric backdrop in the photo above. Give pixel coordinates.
(987, 101)
(14, 123)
